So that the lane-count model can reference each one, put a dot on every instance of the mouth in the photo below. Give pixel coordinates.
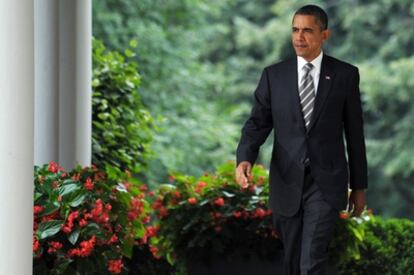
(300, 46)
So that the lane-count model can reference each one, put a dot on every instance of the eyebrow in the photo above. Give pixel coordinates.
(305, 29)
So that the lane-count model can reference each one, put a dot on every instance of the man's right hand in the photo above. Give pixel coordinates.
(243, 173)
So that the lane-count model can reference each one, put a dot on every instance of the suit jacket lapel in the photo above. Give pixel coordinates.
(325, 82)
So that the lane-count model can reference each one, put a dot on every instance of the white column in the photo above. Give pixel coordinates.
(84, 81)
(75, 101)
(16, 136)
(63, 119)
(47, 81)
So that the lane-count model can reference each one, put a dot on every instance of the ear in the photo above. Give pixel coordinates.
(325, 34)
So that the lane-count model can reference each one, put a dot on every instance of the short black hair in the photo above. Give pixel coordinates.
(317, 12)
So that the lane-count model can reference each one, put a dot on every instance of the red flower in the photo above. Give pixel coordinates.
(99, 176)
(36, 244)
(201, 184)
(146, 219)
(132, 215)
(55, 184)
(163, 212)
(113, 239)
(56, 245)
(53, 247)
(83, 223)
(154, 252)
(259, 213)
(86, 248)
(151, 231)
(219, 202)
(157, 204)
(171, 178)
(69, 225)
(41, 179)
(76, 177)
(143, 188)
(343, 215)
(115, 266)
(237, 214)
(100, 215)
(88, 184)
(53, 167)
(176, 194)
(192, 200)
(37, 209)
(215, 215)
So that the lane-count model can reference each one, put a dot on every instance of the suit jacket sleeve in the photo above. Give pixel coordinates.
(354, 134)
(259, 124)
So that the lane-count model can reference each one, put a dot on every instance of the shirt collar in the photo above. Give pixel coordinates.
(316, 62)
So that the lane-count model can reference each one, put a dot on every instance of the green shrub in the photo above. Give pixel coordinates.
(211, 217)
(85, 223)
(123, 129)
(387, 249)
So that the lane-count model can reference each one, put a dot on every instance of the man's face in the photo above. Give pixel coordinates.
(307, 36)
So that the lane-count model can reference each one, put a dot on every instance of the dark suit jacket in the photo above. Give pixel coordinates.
(337, 113)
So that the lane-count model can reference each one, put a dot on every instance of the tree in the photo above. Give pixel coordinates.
(200, 62)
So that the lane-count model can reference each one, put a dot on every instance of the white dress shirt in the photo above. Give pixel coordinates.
(316, 71)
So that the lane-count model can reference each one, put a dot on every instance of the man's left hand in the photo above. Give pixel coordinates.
(357, 202)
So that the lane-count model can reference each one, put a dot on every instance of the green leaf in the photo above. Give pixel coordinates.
(63, 265)
(129, 53)
(37, 195)
(228, 194)
(133, 43)
(50, 208)
(127, 247)
(93, 228)
(68, 188)
(74, 236)
(48, 229)
(204, 202)
(78, 200)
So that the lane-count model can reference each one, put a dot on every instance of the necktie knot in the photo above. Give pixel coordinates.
(308, 67)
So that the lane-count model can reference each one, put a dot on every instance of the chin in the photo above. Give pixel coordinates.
(300, 52)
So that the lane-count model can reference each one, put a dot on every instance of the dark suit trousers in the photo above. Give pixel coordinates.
(306, 235)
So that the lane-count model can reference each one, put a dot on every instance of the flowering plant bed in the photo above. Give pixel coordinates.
(212, 217)
(85, 223)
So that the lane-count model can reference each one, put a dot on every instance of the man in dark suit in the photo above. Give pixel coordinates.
(311, 102)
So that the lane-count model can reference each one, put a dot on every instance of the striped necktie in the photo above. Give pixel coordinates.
(307, 94)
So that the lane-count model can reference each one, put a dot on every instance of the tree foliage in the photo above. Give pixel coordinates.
(123, 128)
(200, 61)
